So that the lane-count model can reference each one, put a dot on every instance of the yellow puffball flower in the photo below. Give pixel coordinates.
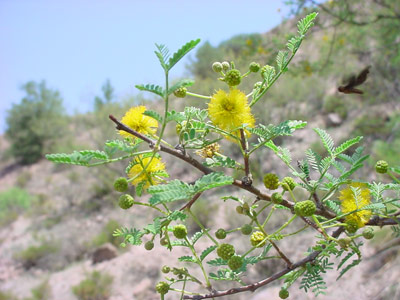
(135, 119)
(229, 111)
(151, 176)
(350, 203)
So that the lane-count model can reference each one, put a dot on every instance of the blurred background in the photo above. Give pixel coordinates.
(67, 65)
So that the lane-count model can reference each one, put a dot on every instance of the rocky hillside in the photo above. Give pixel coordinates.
(56, 236)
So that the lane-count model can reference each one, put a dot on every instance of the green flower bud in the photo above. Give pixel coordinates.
(305, 208)
(220, 234)
(283, 293)
(254, 67)
(121, 184)
(181, 92)
(256, 238)
(351, 226)
(226, 66)
(344, 242)
(225, 251)
(267, 70)
(368, 233)
(246, 229)
(235, 262)
(217, 67)
(162, 287)
(233, 77)
(288, 184)
(125, 201)
(180, 231)
(239, 210)
(164, 241)
(271, 181)
(382, 167)
(149, 245)
(277, 198)
(165, 269)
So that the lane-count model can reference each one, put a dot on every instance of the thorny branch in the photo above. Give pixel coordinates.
(376, 221)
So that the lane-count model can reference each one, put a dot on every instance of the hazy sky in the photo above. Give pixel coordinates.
(75, 45)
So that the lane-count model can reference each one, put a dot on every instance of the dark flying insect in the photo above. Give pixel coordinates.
(354, 81)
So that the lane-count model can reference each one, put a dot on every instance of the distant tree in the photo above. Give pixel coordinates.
(108, 95)
(35, 124)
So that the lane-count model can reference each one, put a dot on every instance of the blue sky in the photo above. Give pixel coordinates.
(76, 45)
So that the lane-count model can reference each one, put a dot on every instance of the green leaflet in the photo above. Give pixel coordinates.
(152, 88)
(179, 190)
(81, 158)
(178, 55)
(207, 251)
(179, 84)
(306, 23)
(153, 114)
(282, 59)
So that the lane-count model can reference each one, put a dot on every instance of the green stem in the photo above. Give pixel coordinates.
(268, 217)
(393, 177)
(202, 227)
(118, 158)
(200, 264)
(258, 97)
(198, 96)
(286, 224)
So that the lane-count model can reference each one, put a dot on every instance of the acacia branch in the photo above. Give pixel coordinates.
(254, 286)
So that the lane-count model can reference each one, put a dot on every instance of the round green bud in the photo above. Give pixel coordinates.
(254, 67)
(225, 251)
(283, 293)
(235, 262)
(267, 70)
(226, 66)
(164, 241)
(246, 208)
(162, 287)
(381, 167)
(305, 208)
(239, 210)
(368, 233)
(256, 238)
(246, 229)
(180, 231)
(149, 245)
(271, 181)
(344, 242)
(351, 226)
(233, 77)
(125, 201)
(165, 269)
(277, 198)
(288, 184)
(217, 67)
(220, 234)
(121, 184)
(181, 92)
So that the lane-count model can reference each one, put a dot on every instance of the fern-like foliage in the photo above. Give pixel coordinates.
(152, 88)
(179, 190)
(179, 84)
(153, 114)
(306, 23)
(282, 153)
(162, 54)
(132, 236)
(326, 139)
(81, 158)
(178, 55)
(207, 251)
(282, 59)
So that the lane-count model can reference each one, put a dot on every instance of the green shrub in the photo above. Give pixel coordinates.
(96, 286)
(35, 124)
(31, 256)
(12, 202)
(7, 296)
(106, 235)
(41, 292)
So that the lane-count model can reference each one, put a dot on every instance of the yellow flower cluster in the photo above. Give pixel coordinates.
(135, 119)
(150, 175)
(208, 151)
(351, 203)
(229, 111)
